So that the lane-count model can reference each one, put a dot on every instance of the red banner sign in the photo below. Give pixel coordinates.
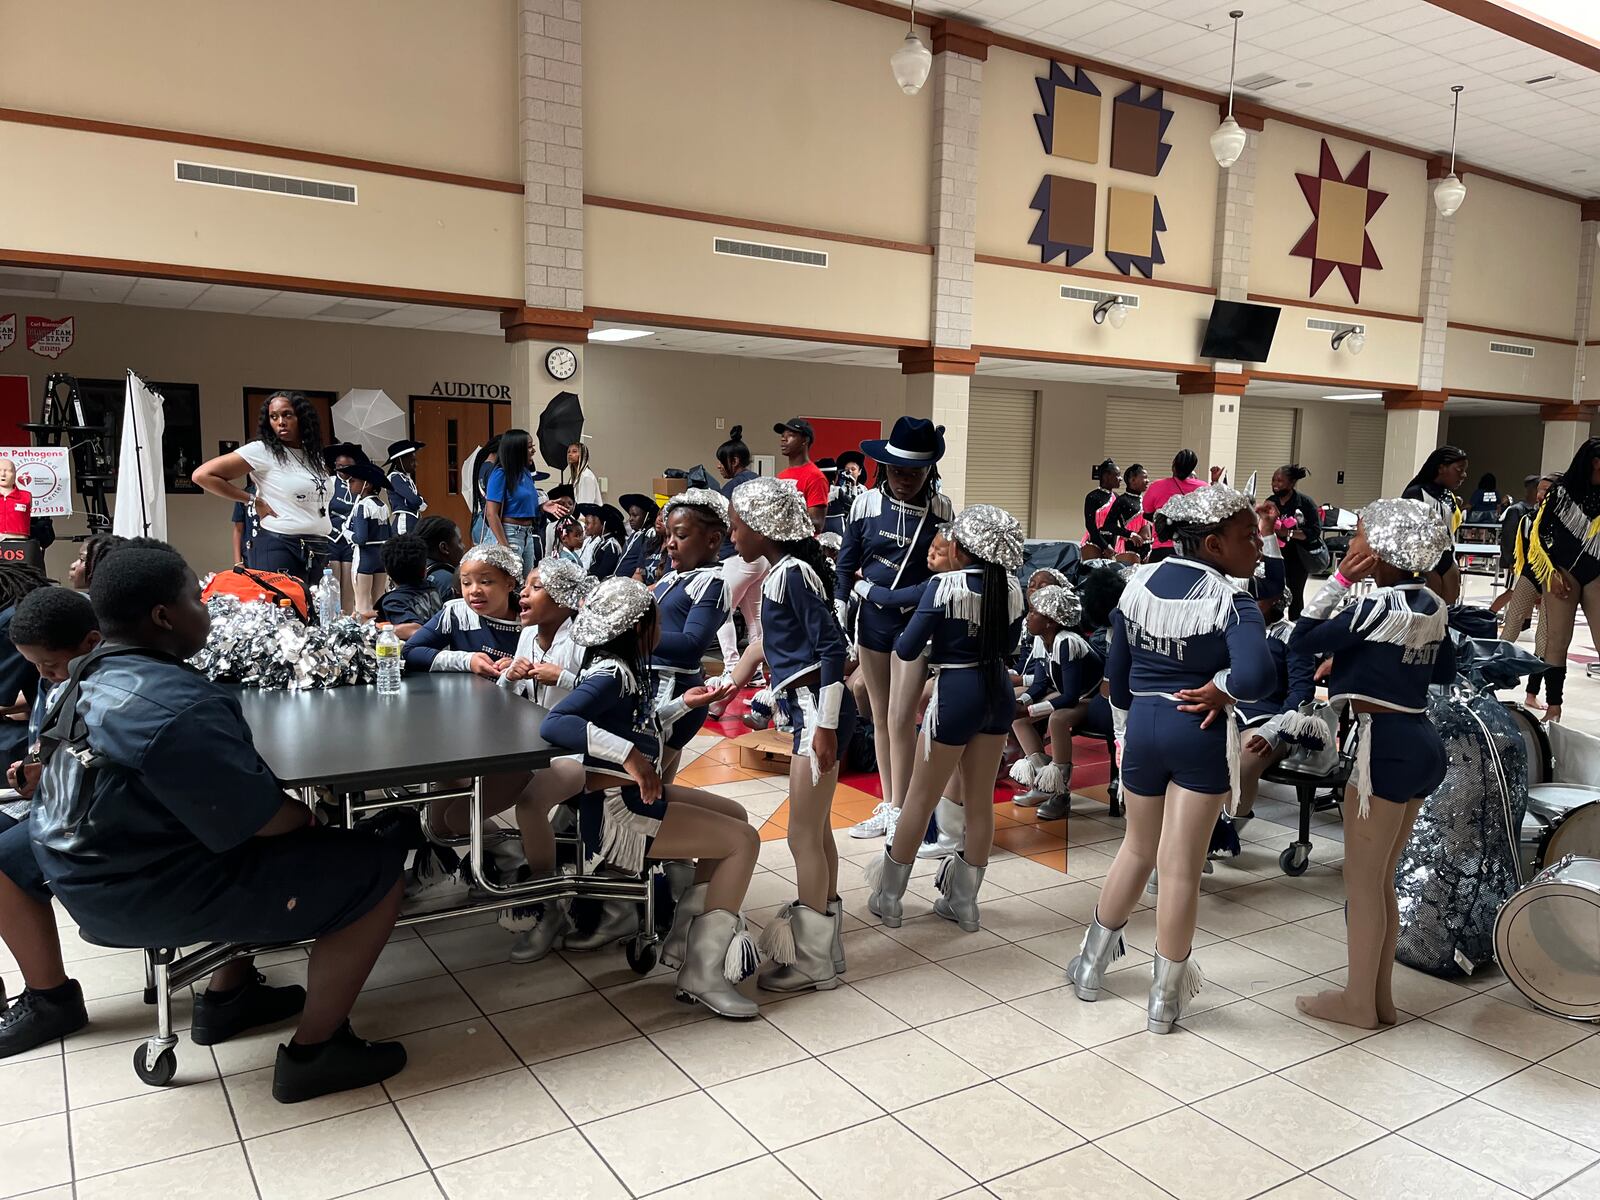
(49, 337)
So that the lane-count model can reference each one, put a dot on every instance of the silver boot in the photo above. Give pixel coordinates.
(619, 919)
(680, 877)
(690, 905)
(958, 882)
(836, 911)
(1101, 947)
(717, 954)
(888, 879)
(1171, 984)
(535, 942)
(799, 941)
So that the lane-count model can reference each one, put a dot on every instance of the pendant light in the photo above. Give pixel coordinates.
(1227, 143)
(1450, 191)
(913, 60)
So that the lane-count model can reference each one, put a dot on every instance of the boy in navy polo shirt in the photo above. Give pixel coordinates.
(170, 830)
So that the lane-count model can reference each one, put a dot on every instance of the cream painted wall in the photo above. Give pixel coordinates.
(1507, 447)
(665, 265)
(401, 232)
(779, 109)
(1282, 215)
(1390, 355)
(1012, 161)
(1515, 264)
(404, 81)
(1468, 364)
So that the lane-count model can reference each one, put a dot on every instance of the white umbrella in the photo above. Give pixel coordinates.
(141, 507)
(369, 418)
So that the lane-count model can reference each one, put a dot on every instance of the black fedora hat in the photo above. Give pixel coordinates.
(330, 454)
(404, 446)
(610, 517)
(369, 472)
(846, 457)
(912, 443)
(638, 500)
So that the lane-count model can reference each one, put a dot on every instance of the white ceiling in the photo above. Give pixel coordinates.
(1383, 66)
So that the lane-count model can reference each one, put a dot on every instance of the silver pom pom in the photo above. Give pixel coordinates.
(990, 534)
(774, 508)
(1208, 505)
(493, 554)
(264, 646)
(568, 583)
(611, 610)
(713, 503)
(1408, 534)
(1060, 604)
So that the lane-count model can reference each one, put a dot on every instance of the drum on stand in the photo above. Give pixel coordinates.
(1541, 759)
(1547, 939)
(1562, 819)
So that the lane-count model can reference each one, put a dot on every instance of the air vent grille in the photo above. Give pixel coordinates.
(257, 181)
(782, 254)
(1516, 349)
(1094, 297)
(1333, 326)
(1260, 82)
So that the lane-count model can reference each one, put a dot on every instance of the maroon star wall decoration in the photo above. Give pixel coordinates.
(1341, 205)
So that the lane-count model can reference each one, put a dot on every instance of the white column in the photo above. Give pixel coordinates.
(1588, 250)
(1211, 420)
(1235, 222)
(943, 398)
(1564, 431)
(1438, 255)
(1411, 432)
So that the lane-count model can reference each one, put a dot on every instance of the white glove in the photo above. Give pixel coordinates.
(863, 588)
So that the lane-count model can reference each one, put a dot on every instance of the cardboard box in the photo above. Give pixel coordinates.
(662, 486)
(765, 750)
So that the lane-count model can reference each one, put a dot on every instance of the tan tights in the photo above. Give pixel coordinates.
(816, 855)
(367, 590)
(1372, 848)
(717, 834)
(1560, 613)
(895, 689)
(978, 760)
(1169, 834)
(1252, 767)
(347, 595)
(1060, 726)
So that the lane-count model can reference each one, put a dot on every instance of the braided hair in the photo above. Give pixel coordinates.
(17, 580)
(96, 548)
(629, 649)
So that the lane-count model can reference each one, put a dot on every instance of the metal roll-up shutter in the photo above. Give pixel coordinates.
(1000, 429)
(1266, 442)
(1363, 460)
(1144, 431)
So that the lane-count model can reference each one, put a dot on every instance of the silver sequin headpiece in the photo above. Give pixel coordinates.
(1206, 506)
(495, 555)
(569, 584)
(712, 502)
(1060, 604)
(774, 508)
(613, 608)
(1408, 534)
(1054, 576)
(990, 534)
(830, 541)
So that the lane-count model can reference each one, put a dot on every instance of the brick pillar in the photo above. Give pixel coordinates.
(1588, 250)
(1211, 419)
(1566, 427)
(1410, 434)
(1235, 220)
(551, 133)
(938, 389)
(1438, 254)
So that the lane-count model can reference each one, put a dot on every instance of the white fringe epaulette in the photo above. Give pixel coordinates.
(868, 504)
(1075, 646)
(1388, 618)
(1281, 632)
(458, 614)
(1206, 608)
(612, 666)
(776, 586)
(955, 595)
(700, 581)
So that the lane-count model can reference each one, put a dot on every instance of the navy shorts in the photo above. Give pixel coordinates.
(341, 551)
(17, 862)
(878, 627)
(1407, 756)
(1166, 746)
(800, 701)
(369, 560)
(962, 707)
(618, 826)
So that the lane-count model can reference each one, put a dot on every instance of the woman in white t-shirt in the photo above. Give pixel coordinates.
(584, 482)
(293, 489)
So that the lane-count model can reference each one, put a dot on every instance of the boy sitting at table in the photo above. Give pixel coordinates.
(411, 600)
(160, 825)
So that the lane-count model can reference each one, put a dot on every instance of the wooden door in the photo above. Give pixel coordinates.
(450, 431)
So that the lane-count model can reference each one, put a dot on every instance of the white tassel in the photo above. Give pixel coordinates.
(1206, 608)
(1235, 745)
(742, 958)
(1393, 621)
(1363, 771)
(930, 717)
(1024, 769)
(1050, 778)
(940, 881)
(874, 872)
(1193, 980)
(700, 582)
(775, 586)
(1016, 602)
(1304, 728)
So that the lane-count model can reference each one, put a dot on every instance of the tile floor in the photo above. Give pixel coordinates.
(946, 1064)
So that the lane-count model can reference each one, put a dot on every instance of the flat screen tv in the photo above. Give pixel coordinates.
(1241, 332)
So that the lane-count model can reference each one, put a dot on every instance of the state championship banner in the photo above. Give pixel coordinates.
(45, 472)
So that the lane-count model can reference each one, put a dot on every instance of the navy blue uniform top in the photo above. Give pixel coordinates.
(403, 494)
(727, 490)
(442, 579)
(842, 496)
(523, 502)
(691, 608)
(1294, 683)
(454, 634)
(886, 542)
(1033, 662)
(179, 796)
(1387, 647)
(635, 551)
(604, 718)
(409, 604)
(1072, 672)
(799, 633)
(946, 618)
(1180, 624)
(17, 677)
(369, 523)
(600, 556)
(340, 502)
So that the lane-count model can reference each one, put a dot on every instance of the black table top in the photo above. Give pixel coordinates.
(443, 725)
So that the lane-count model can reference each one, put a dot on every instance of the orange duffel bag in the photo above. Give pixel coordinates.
(247, 585)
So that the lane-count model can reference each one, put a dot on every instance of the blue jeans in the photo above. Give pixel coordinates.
(525, 542)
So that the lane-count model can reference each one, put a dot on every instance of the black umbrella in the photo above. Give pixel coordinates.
(560, 426)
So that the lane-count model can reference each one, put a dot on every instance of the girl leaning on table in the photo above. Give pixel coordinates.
(612, 719)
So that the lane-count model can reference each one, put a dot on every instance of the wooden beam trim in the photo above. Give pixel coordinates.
(1027, 354)
(1370, 314)
(937, 360)
(1564, 412)
(689, 214)
(1528, 29)
(996, 260)
(1513, 397)
(959, 37)
(754, 329)
(1414, 401)
(1212, 383)
(1358, 385)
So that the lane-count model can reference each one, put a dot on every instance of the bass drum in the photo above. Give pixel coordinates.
(1547, 939)
(1550, 805)
(1574, 834)
(1541, 760)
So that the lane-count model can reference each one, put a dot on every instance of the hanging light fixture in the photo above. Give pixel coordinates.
(1227, 143)
(1352, 337)
(1449, 192)
(912, 61)
(1111, 309)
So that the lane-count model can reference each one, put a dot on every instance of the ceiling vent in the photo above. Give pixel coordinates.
(1094, 297)
(1541, 80)
(255, 181)
(1333, 326)
(1515, 349)
(781, 254)
(1261, 81)
(38, 285)
(355, 310)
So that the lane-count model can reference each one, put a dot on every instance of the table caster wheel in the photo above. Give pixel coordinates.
(1295, 859)
(641, 956)
(158, 1073)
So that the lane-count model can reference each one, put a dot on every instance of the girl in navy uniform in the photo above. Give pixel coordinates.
(1186, 644)
(366, 530)
(478, 632)
(1387, 648)
(603, 528)
(741, 579)
(1564, 552)
(970, 616)
(611, 718)
(341, 459)
(642, 542)
(406, 501)
(1058, 695)
(886, 541)
(1435, 484)
(804, 649)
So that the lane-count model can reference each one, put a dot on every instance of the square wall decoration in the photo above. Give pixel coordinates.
(1133, 221)
(1069, 127)
(1066, 224)
(1137, 127)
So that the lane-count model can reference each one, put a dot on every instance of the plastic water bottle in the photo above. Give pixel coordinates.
(328, 598)
(388, 661)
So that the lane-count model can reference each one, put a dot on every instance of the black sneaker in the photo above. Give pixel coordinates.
(254, 1004)
(340, 1064)
(35, 1018)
